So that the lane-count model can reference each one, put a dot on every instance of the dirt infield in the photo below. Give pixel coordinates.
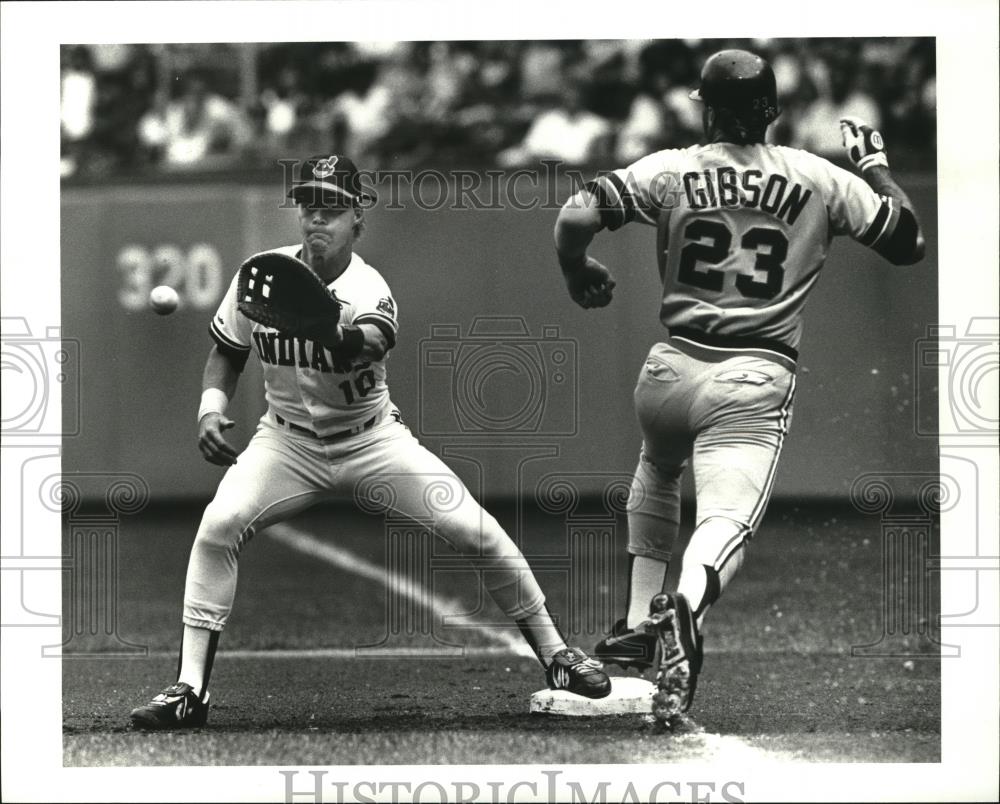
(780, 680)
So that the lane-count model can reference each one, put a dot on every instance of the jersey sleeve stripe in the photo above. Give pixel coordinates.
(236, 353)
(899, 246)
(376, 318)
(616, 204)
(385, 324)
(616, 187)
(877, 227)
(890, 226)
(224, 340)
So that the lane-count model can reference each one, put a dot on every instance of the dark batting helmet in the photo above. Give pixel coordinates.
(741, 83)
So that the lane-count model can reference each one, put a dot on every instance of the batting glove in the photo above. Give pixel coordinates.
(864, 145)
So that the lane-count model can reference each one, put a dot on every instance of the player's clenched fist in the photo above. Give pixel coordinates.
(864, 145)
(590, 284)
(213, 445)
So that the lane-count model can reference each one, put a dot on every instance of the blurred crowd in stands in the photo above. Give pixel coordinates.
(396, 105)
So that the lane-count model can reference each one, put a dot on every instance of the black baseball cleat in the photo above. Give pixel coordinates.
(679, 654)
(177, 707)
(627, 647)
(573, 670)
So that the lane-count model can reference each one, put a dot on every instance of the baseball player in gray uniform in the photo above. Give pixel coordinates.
(743, 229)
(331, 431)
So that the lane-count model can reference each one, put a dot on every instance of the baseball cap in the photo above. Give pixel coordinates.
(334, 175)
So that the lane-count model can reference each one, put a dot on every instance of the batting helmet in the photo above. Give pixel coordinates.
(740, 82)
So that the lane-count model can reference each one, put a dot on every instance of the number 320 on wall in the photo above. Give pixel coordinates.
(196, 275)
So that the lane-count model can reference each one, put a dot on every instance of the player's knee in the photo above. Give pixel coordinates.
(221, 529)
(716, 541)
(654, 491)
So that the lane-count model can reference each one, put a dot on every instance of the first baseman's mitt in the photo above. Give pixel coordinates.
(280, 291)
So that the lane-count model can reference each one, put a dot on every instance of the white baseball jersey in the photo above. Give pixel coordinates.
(304, 383)
(743, 232)
(377, 464)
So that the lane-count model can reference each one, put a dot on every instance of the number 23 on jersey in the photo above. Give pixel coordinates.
(759, 260)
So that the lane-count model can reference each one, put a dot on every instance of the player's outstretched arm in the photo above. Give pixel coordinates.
(590, 284)
(219, 382)
(904, 245)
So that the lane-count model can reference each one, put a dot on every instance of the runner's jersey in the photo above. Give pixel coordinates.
(743, 231)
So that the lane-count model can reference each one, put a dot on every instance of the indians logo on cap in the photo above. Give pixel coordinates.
(325, 167)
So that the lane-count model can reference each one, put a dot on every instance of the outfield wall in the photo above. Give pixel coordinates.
(555, 400)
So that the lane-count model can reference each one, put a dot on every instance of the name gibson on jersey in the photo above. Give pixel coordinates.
(728, 188)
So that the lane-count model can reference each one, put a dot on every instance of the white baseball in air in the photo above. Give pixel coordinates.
(163, 299)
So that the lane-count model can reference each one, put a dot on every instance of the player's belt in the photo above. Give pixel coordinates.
(327, 438)
(707, 346)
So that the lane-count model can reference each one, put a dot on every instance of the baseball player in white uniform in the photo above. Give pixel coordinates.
(743, 231)
(332, 431)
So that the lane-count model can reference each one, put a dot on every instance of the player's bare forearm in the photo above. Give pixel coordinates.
(881, 181)
(221, 374)
(589, 283)
(579, 220)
